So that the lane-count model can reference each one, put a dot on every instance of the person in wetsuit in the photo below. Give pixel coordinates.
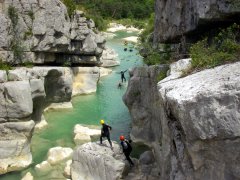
(122, 76)
(105, 132)
(127, 149)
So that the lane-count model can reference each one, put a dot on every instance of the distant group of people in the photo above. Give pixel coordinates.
(130, 48)
(125, 144)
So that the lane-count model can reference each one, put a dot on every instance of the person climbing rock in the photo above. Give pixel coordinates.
(105, 132)
(122, 75)
(127, 148)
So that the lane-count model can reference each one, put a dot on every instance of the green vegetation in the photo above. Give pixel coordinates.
(31, 15)
(161, 55)
(17, 50)
(16, 40)
(148, 30)
(28, 33)
(100, 23)
(221, 49)
(235, 4)
(119, 9)
(13, 15)
(28, 64)
(71, 6)
(4, 65)
(153, 55)
(126, 12)
(162, 75)
(67, 63)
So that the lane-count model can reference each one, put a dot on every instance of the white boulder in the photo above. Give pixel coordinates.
(3, 76)
(67, 169)
(177, 69)
(94, 162)
(43, 168)
(83, 134)
(58, 154)
(109, 58)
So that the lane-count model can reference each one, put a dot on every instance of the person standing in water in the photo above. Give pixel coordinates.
(105, 132)
(123, 76)
(127, 149)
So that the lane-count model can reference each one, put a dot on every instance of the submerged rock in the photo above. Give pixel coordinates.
(43, 168)
(28, 176)
(105, 71)
(195, 133)
(94, 162)
(58, 154)
(64, 105)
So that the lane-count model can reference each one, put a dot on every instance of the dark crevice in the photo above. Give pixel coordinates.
(179, 149)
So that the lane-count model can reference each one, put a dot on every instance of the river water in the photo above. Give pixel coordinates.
(105, 104)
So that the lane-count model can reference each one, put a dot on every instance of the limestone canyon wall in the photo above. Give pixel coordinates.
(196, 130)
(174, 19)
(45, 33)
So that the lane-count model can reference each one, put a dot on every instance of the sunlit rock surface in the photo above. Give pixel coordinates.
(85, 80)
(196, 129)
(23, 96)
(47, 34)
(94, 162)
(109, 58)
(53, 166)
(83, 134)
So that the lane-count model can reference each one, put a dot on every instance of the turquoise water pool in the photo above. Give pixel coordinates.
(105, 104)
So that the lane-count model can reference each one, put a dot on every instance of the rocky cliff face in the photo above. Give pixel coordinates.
(43, 33)
(24, 94)
(94, 162)
(197, 125)
(177, 18)
(143, 102)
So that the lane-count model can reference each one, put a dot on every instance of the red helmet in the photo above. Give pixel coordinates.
(121, 138)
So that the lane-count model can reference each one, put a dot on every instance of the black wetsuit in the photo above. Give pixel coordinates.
(105, 133)
(127, 149)
(122, 75)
